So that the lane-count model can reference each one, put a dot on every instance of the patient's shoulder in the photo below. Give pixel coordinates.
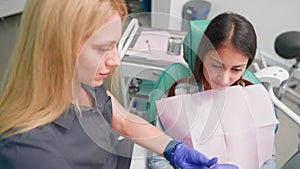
(189, 80)
(183, 86)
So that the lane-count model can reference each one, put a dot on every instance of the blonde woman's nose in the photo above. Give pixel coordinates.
(113, 58)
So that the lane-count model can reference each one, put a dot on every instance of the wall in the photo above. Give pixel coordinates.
(167, 14)
(8, 35)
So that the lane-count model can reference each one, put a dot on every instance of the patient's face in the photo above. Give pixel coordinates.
(223, 67)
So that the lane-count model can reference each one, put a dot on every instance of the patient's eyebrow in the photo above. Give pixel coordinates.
(219, 62)
(240, 65)
(216, 60)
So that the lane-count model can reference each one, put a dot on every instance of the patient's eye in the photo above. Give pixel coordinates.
(237, 69)
(217, 65)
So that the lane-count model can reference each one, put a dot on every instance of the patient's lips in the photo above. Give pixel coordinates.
(219, 85)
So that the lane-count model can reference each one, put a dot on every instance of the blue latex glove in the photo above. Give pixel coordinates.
(188, 158)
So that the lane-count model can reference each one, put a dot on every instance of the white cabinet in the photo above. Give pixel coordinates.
(10, 7)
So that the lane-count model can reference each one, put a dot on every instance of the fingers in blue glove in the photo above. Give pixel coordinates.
(212, 161)
(225, 166)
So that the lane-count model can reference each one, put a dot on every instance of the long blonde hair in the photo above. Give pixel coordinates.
(37, 87)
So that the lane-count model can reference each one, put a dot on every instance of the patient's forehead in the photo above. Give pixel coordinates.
(228, 56)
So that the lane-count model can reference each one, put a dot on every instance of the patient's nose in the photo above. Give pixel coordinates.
(224, 78)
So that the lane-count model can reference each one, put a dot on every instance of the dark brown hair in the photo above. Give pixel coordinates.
(226, 28)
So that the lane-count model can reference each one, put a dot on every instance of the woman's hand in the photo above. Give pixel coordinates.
(188, 158)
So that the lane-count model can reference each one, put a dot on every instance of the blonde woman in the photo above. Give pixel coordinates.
(55, 112)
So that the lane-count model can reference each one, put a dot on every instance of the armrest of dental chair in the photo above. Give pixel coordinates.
(273, 76)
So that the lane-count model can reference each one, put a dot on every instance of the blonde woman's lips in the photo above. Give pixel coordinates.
(104, 75)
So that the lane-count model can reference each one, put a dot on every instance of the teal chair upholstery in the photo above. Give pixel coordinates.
(196, 29)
